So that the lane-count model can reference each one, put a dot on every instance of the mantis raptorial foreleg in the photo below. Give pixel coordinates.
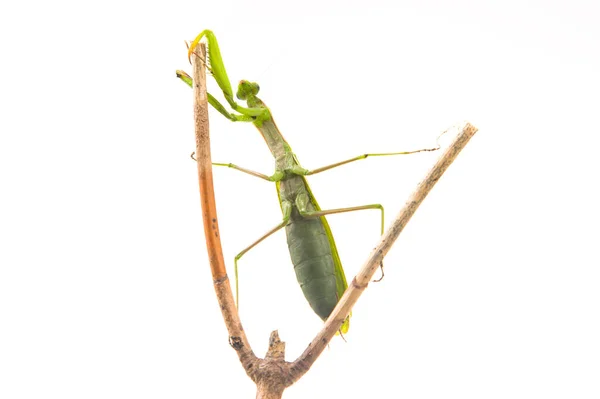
(217, 68)
(286, 208)
(187, 79)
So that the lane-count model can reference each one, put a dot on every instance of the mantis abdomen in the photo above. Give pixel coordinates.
(313, 262)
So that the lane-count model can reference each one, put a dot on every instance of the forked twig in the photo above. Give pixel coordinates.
(273, 374)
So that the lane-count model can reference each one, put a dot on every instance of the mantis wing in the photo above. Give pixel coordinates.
(340, 276)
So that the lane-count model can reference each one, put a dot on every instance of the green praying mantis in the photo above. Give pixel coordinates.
(311, 245)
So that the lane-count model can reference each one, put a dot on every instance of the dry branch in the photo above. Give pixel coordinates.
(360, 282)
(237, 336)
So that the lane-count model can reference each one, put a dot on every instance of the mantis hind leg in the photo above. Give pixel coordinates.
(286, 207)
(302, 201)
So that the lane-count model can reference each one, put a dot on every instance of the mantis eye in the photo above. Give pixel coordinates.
(246, 89)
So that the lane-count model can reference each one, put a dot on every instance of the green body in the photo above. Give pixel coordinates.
(314, 255)
(312, 248)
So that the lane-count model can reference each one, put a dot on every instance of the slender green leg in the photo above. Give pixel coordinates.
(248, 171)
(314, 214)
(303, 200)
(223, 111)
(286, 208)
(275, 178)
(187, 79)
(364, 156)
(220, 74)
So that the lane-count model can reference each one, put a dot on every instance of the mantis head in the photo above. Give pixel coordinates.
(247, 89)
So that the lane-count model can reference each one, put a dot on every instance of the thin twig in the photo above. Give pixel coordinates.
(360, 282)
(237, 336)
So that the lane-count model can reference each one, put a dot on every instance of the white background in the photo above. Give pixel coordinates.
(491, 291)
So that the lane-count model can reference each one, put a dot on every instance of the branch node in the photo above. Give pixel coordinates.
(220, 280)
(236, 343)
(358, 286)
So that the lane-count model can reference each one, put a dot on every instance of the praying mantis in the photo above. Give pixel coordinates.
(310, 241)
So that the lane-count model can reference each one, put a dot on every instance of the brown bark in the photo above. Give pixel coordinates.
(237, 336)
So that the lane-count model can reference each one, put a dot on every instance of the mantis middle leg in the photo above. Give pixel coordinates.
(217, 69)
(273, 178)
(364, 156)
